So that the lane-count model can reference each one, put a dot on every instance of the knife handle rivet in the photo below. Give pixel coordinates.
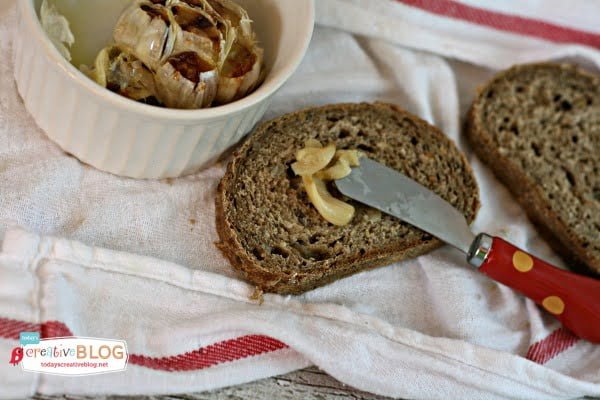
(522, 261)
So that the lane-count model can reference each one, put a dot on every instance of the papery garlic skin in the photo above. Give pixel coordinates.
(147, 31)
(57, 28)
(236, 15)
(184, 81)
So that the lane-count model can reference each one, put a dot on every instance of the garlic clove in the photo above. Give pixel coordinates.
(352, 157)
(313, 159)
(339, 170)
(101, 70)
(333, 210)
(186, 81)
(314, 143)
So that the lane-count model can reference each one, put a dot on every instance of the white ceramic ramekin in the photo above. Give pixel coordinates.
(127, 138)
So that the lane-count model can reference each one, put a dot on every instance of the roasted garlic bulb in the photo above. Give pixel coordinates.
(122, 73)
(198, 32)
(186, 81)
(198, 52)
(240, 74)
(241, 69)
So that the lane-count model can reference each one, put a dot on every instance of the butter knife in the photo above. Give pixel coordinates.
(573, 299)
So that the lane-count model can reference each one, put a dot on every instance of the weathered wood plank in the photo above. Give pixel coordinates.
(307, 384)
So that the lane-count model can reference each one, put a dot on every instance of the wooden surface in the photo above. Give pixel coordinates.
(307, 384)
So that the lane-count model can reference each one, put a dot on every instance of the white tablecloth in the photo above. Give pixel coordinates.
(136, 260)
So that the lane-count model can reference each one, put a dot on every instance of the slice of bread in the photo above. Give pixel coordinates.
(537, 127)
(271, 232)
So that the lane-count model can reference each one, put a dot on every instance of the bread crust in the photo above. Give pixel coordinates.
(270, 281)
(560, 236)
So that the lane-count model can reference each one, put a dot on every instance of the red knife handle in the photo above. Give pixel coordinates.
(573, 299)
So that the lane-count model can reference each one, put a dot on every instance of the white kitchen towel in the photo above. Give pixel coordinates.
(136, 259)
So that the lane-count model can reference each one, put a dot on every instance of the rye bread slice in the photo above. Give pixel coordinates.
(537, 127)
(271, 232)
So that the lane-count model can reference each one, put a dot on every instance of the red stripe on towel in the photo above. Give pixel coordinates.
(204, 357)
(11, 328)
(546, 349)
(218, 353)
(506, 22)
(246, 346)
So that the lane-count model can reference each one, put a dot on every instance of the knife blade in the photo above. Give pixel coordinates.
(573, 299)
(393, 193)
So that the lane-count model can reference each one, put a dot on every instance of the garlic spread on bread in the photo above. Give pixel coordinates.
(316, 165)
